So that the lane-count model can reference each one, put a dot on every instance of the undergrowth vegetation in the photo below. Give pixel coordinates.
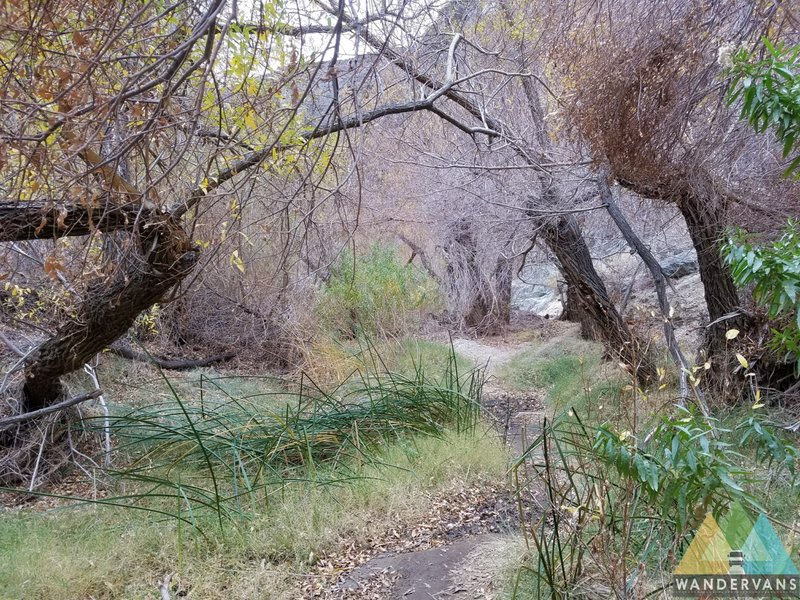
(101, 552)
(374, 294)
(228, 454)
(623, 499)
(570, 371)
(221, 483)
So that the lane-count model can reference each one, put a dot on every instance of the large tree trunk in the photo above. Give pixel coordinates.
(109, 308)
(705, 221)
(705, 217)
(502, 279)
(43, 220)
(574, 312)
(564, 239)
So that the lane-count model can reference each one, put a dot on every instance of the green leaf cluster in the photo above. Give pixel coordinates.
(769, 90)
(774, 271)
(375, 294)
(684, 465)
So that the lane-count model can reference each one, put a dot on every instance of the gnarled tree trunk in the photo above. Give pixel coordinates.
(109, 308)
(705, 221)
(488, 307)
(564, 239)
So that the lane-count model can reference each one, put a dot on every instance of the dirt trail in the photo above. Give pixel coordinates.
(466, 566)
(516, 413)
(490, 356)
(459, 571)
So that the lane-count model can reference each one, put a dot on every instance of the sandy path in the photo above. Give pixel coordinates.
(466, 567)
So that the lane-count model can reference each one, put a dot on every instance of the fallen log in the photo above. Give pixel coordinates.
(172, 364)
(35, 414)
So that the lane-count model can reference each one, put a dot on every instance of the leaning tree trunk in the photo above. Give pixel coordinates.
(705, 221)
(564, 239)
(109, 308)
(659, 280)
(575, 313)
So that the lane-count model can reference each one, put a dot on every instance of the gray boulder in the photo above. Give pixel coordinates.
(538, 299)
(680, 265)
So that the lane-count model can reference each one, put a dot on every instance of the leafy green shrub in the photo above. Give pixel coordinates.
(770, 94)
(375, 294)
(619, 505)
(771, 448)
(684, 467)
(774, 271)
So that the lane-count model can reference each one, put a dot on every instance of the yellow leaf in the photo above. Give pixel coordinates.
(758, 405)
(236, 261)
(731, 334)
(742, 361)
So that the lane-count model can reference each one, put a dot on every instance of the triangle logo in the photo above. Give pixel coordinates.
(708, 553)
(764, 553)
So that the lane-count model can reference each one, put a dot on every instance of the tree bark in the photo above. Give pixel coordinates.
(660, 281)
(574, 312)
(38, 220)
(489, 297)
(109, 308)
(564, 239)
(706, 224)
(502, 279)
(705, 219)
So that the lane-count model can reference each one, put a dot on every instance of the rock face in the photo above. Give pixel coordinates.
(540, 299)
(680, 265)
(537, 291)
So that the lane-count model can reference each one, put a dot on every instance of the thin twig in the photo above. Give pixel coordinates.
(90, 371)
(38, 459)
(163, 587)
(11, 345)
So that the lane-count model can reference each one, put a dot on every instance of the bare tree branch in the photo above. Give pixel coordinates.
(35, 414)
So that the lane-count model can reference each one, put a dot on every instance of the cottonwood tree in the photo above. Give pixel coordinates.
(127, 127)
(650, 101)
(505, 118)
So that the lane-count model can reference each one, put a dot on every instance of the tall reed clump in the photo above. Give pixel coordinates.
(231, 454)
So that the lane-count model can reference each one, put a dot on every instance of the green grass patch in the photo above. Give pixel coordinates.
(570, 370)
(562, 365)
(102, 552)
(406, 355)
(237, 488)
(224, 453)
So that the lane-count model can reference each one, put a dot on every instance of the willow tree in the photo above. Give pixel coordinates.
(125, 123)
